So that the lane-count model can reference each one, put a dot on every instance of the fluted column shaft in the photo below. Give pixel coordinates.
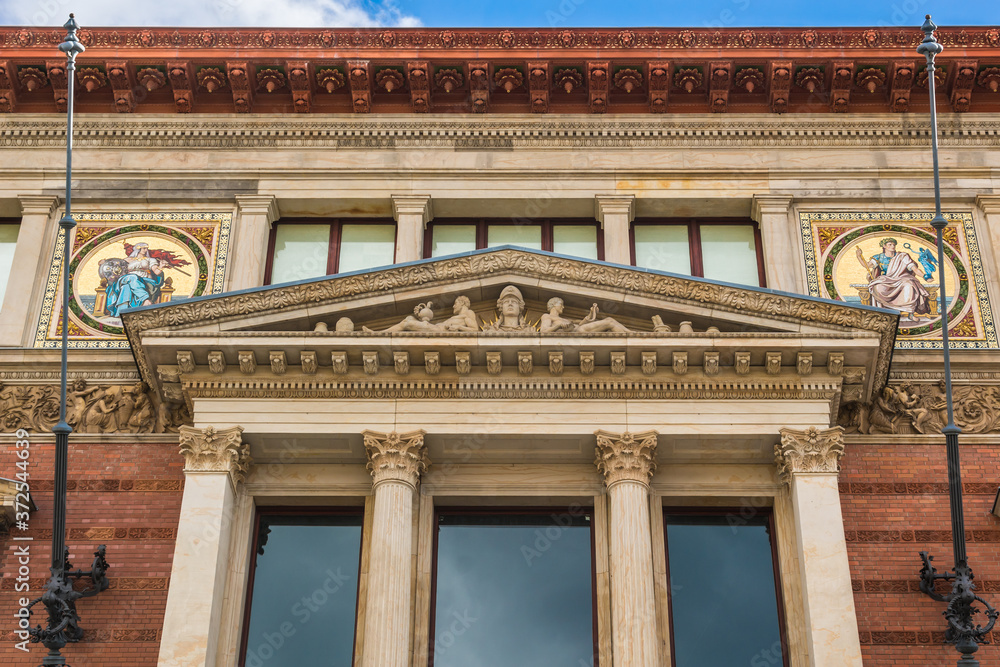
(215, 463)
(396, 463)
(809, 462)
(626, 461)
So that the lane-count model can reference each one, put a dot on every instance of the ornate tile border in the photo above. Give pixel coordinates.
(193, 248)
(842, 249)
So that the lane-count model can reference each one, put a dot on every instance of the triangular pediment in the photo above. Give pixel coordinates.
(433, 308)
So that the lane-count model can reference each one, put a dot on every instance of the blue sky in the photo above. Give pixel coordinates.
(495, 13)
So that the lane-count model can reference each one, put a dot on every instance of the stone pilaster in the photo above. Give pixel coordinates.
(615, 213)
(412, 213)
(808, 461)
(990, 206)
(35, 238)
(254, 215)
(216, 461)
(626, 461)
(396, 462)
(783, 262)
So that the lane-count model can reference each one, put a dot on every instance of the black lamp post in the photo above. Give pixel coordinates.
(962, 631)
(59, 598)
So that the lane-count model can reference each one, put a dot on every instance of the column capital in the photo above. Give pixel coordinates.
(38, 204)
(413, 205)
(396, 457)
(266, 205)
(625, 457)
(216, 450)
(605, 205)
(769, 204)
(990, 204)
(813, 450)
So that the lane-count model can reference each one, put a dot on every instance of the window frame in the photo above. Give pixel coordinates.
(775, 564)
(482, 230)
(517, 511)
(292, 510)
(333, 244)
(694, 226)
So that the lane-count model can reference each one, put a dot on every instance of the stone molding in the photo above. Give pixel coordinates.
(813, 450)
(421, 205)
(990, 204)
(216, 450)
(605, 205)
(38, 204)
(769, 204)
(626, 457)
(266, 205)
(396, 457)
(534, 131)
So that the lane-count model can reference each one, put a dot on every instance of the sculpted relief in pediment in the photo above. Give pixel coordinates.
(511, 316)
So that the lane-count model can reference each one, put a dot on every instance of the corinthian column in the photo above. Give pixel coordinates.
(626, 461)
(215, 463)
(396, 463)
(809, 462)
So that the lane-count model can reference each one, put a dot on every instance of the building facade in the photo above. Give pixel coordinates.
(495, 347)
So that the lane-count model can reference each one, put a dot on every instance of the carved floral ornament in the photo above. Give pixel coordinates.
(212, 450)
(813, 450)
(396, 457)
(626, 457)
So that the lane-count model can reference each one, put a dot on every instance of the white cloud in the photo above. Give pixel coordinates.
(235, 13)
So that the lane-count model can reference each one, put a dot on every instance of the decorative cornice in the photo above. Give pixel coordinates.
(813, 450)
(216, 450)
(513, 263)
(396, 457)
(301, 132)
(626, 457)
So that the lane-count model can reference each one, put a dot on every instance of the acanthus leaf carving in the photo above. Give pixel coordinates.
(396, 457)
(216, 450)
(626, 457)
(813, 450)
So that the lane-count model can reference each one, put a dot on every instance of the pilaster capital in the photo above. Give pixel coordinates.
(990, 204)
(396, 457)
(605, 205)
(216, 450)
(769, 205)
(413, 205)
(38, 204)
(813, 450)
(266, 205)
(625, 457)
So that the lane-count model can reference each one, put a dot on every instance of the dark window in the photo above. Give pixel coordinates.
(727, 250)
(513, 589)
(303, 590)
(302, 249)
(721, 565)
(8, 241)
(579, 238)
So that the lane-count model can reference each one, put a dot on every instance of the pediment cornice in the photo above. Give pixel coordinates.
(783, 325)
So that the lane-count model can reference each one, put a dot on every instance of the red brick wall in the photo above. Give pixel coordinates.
(126, 496)
(895, 503)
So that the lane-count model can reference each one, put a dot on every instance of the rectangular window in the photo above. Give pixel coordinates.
(721, 568)
(310, 249)
(577, 238)
(8, 241)
(729, 251)
(513, 588)
(303, 589)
